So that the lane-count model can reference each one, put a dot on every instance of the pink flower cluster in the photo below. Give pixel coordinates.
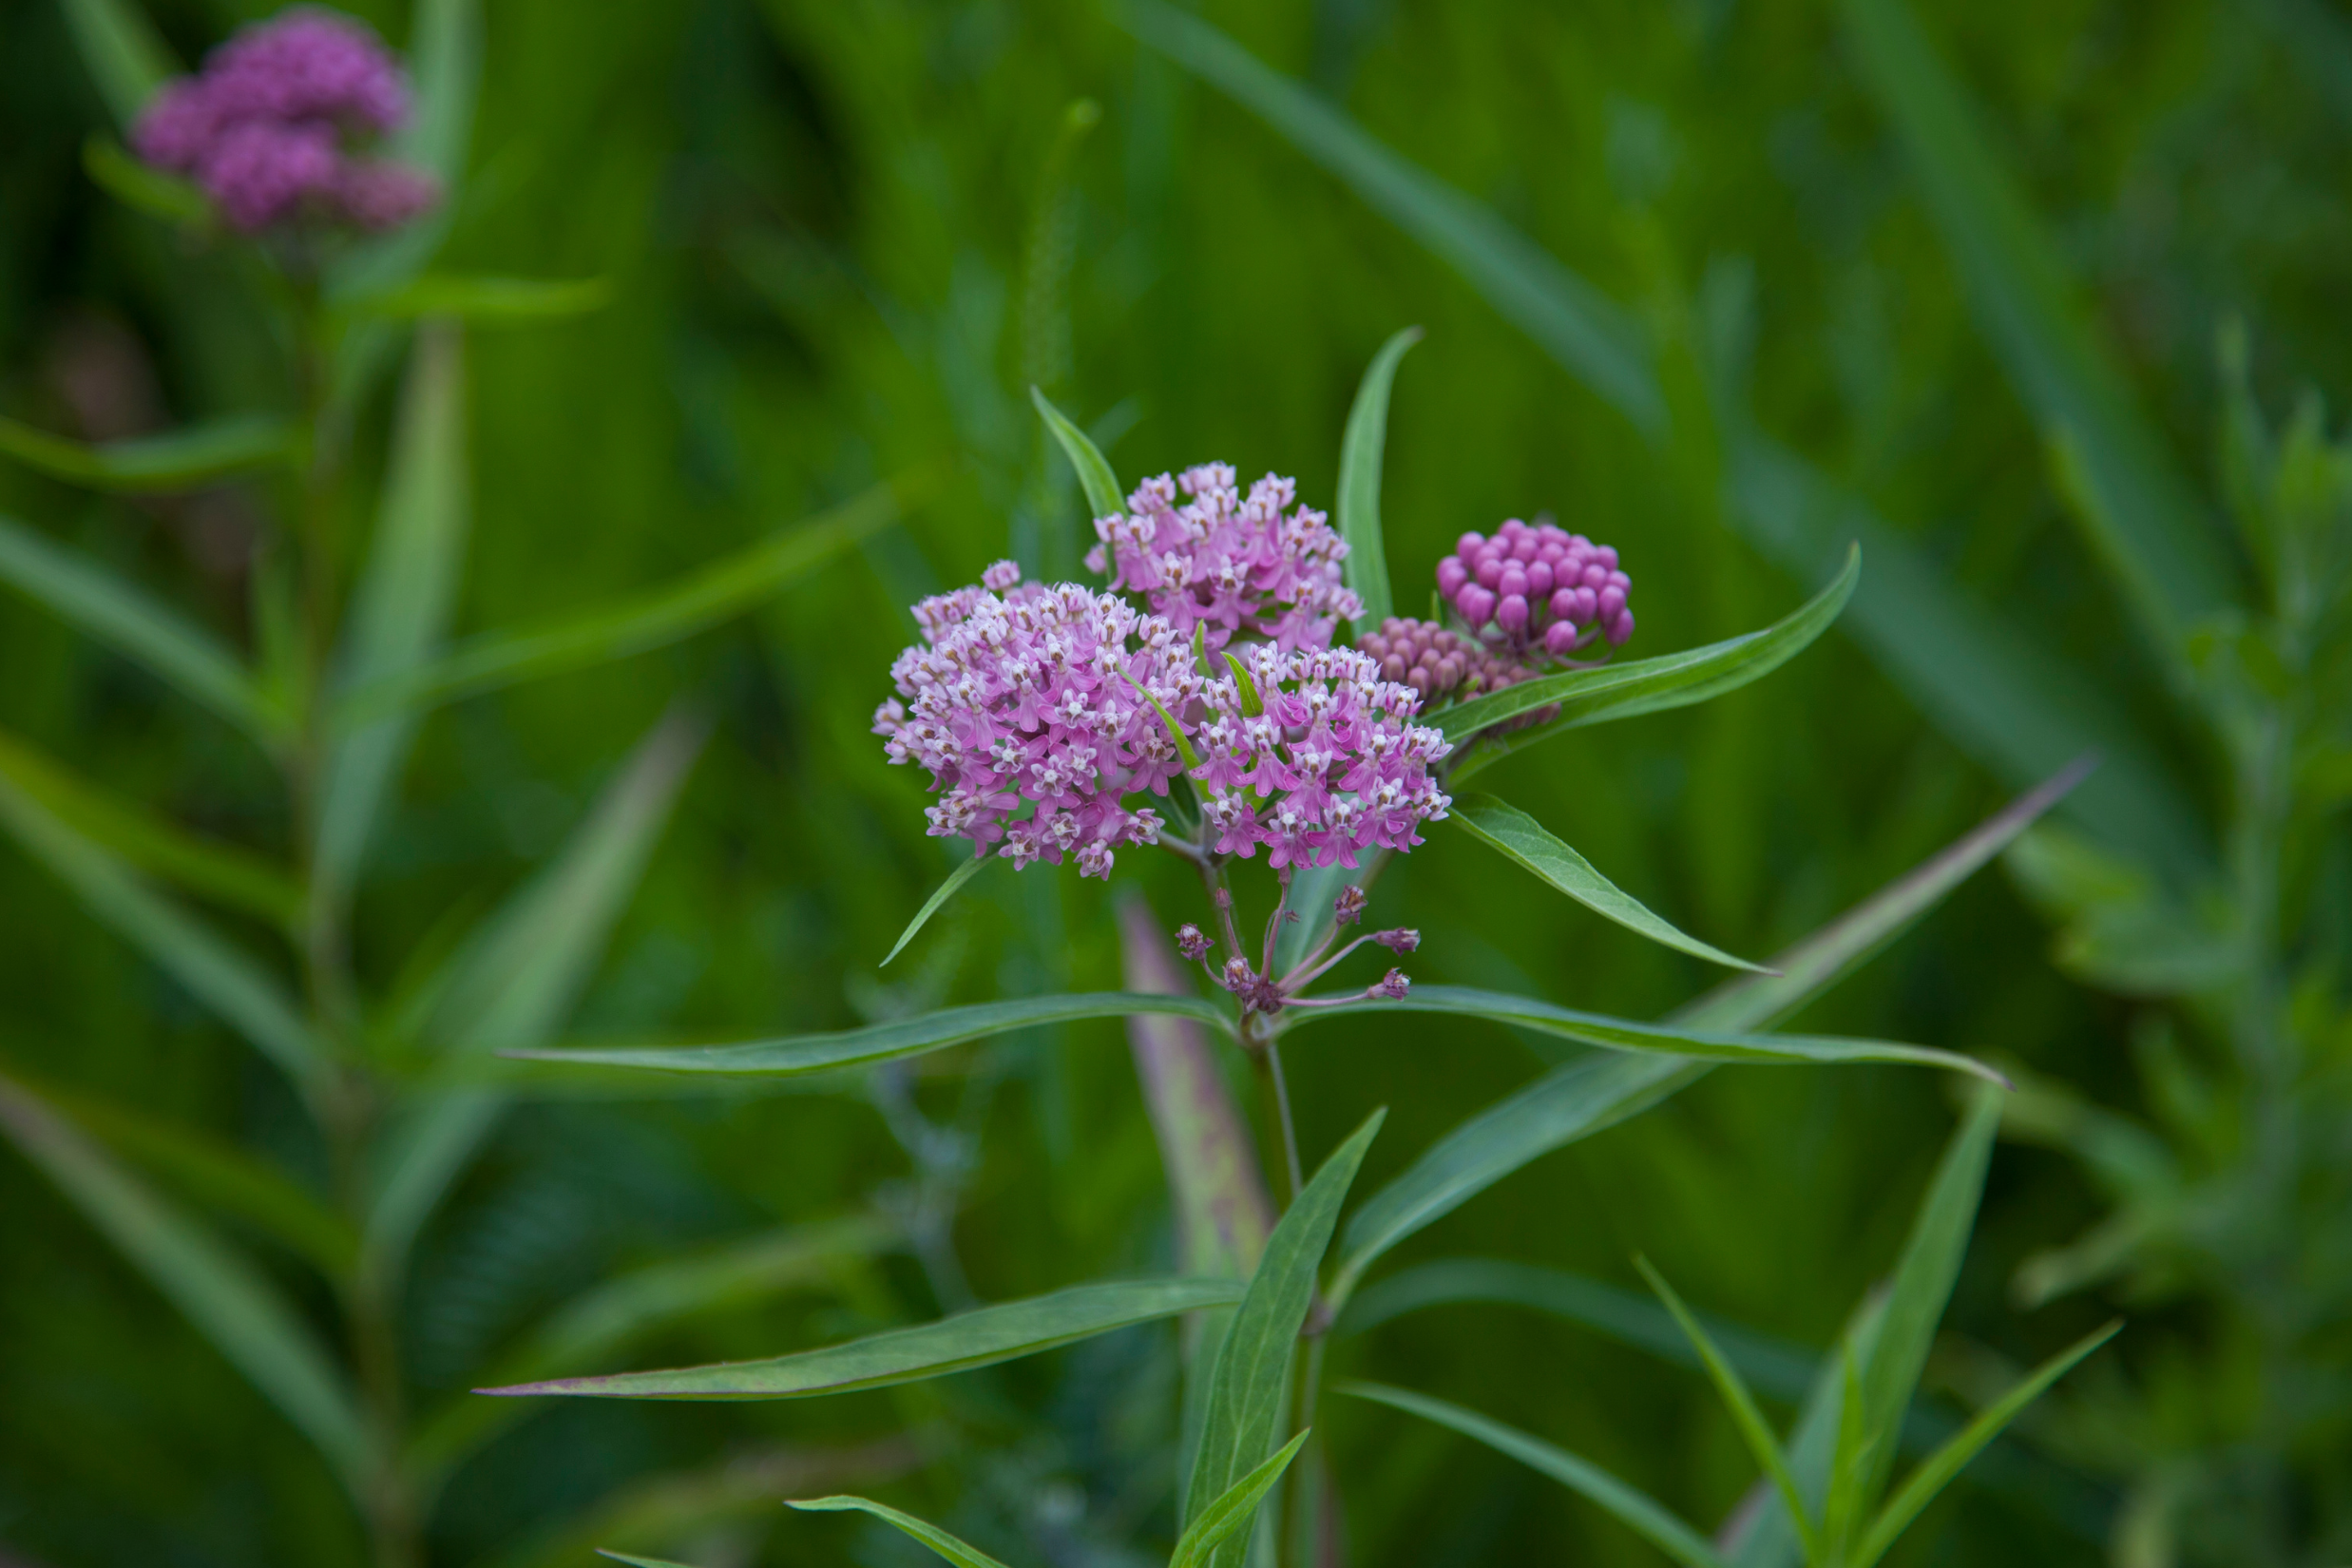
(267, 128)
(1035, 696)
(1257, 565)
(1314, 755)
(1540, 587)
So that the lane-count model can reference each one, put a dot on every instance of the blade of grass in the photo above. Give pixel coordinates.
(945, 890)
(1360, 454)
(1095, 476)
(185, 459)
(1850, 1463)
(1232, 1511)
(961, 1553)
(126, 58)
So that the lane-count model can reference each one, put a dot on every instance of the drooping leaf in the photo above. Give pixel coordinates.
(1936, 1472)
(1734, 1390)
(1646, 685)
(1359, 454)
(2145, 520)
(228, 1300)
(402, 604)
(225, 873)
(162, 195)
(1635, 1510)
(1516, 837)
(123, 52)
(1251, 1384)
(963, 1554)
(643, 621)
(981, 1337)
(490, 302)
(964, 872)
(797, 1055)
(516, 979)
(135, 625)
(1232, 1510)
(1095, 475)
(214, 972)
(1619, 1034)
(185, 459)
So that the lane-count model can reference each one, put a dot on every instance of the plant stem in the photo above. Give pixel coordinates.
(1266, 1058)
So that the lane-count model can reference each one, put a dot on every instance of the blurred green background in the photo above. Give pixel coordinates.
(843, 239)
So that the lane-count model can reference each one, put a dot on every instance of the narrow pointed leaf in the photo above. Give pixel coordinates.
(1252, 1380)
(1359, 454)
(947, 889)
(121, 50)
(1095, 475)
(1635, 1510)
(1514, 834)
(797, 1054)
(981, 1337)
(961, 1553)
(110, 610)
(491, 301)
(1733, 1389)
(214, 972)
(1771, 1539)
(1232, 1511)
(165, 196)
(224, 872)
(1947, 1461)
(183, 460)
(636, 1561)
(1252, 704)
(1850, 1465)
(1619, 1034)
(1650, 686)
(705, 598)
(229, 1301)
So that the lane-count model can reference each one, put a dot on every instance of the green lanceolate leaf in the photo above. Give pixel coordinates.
(1596, 338)
(1649, 685)
(797, 1054)
(127, 619)
(1232, 1512)
(2145, 519)
(636, 1561)
(716, 594)
(961, 1553)
(224, 872)
(1938, 1470)
(217, 974)
(1252, 1380)
(124, 55)
(1518, 836)
(981, 1337)
(1635, 1510)
(186, 458)
(1176, 731)
(1252, 704)
(162, 195)
(1734, 1390)
(947, 889)
(1850, 1465)
(1619, 1034)
(1360, 454)
(486, 301)
(1771, 1539)
(1094, 470)
(228, 1300)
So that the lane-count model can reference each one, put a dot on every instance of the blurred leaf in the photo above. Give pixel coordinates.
(214, 972)
(517, 977)
(1734, 1390)
(637, 1562)
(704, 599)
(1094, 470)
(1619, 1034)
(162, 195)
(229, 1301)
(2145, 520)
(981, 1337)
(1232, 1510)
(1591, 334)
(957, 1552)
(964, 872)
(225, 873)
(186, 458)
(797, 1055)
(123, 616)
(1360, 454)
(1252, 1384)
(1769, 1539)
(445, 53)
(1634, 1509)
(402, 604)
(127, 60)
(1947, 1461)
(1858, 1442)
(490, 302)
(1648, 686)
(1516, 837)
